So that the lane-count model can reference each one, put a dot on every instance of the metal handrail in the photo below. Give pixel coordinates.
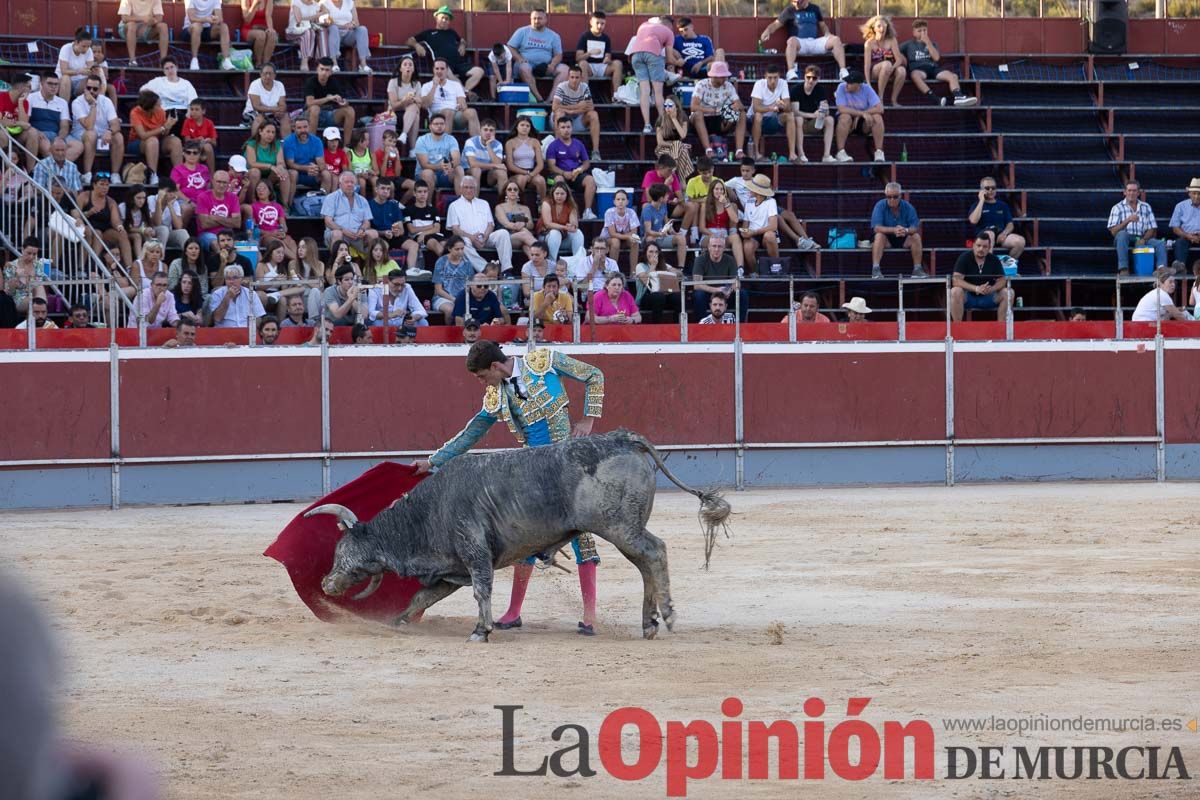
(13, 243)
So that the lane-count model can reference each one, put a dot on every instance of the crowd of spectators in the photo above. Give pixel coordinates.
(383, 228)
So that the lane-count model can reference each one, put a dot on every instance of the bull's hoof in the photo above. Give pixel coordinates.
(477, 637)
(669, 620)
(651, 630)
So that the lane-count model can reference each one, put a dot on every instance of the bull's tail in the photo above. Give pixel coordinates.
(714, 509)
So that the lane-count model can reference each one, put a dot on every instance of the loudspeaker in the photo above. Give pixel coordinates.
(1108, 27)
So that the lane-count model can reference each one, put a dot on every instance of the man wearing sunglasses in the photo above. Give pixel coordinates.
(993, 218)
(97, 126)
(445, 97)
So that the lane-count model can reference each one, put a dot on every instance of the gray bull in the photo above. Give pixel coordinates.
(481, 513)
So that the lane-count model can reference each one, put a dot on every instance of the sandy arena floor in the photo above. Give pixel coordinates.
(1062, 600)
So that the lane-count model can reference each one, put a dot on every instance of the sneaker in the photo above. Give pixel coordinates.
(843, 72)
(793, 74)
(963, 100)
(945, 101)
(133, 62)
(403, 138)
(227, 65)
(803, 159)
(417, 273)
(843, 156)
(596, 156)
(115, 180)
(588, 215)
(807, 243)
(86, 178)
(153, 179)
(337, 68)
(829, 160)
(195, 65)
(365, 67)
(647, 129)
(876, 272)
(879, 156)
(919, 271)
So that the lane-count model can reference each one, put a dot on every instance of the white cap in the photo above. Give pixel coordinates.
(332, 133)
(238, 164)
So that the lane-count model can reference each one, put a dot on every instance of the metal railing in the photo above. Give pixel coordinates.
(68, 265)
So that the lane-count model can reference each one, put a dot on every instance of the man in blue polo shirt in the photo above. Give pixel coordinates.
(895, 224)
(538, 52)
(305, 158)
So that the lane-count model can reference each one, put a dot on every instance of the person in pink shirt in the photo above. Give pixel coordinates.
(190, 175)
(614, 305)
(270, 218)
(648, 54)
(664, 173)
(216, 210)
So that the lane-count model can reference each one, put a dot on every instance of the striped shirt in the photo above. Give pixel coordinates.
(1145, 219)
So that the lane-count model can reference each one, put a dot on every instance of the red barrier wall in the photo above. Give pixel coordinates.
(175, 404)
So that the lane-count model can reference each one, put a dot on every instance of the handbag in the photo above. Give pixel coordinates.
(64, 226)
(842, 239)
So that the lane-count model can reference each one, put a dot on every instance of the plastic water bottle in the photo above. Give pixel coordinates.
(506, 296)
(252, 231)
(904, 152)
(44, 269)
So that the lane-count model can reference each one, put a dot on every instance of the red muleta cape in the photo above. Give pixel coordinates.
(305, 547)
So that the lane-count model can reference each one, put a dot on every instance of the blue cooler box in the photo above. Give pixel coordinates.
(604, 198)
(536, 115)
(1143, 260)
(513, 93)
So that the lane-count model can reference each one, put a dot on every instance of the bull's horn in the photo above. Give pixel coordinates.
(345, 516)
(376, 579)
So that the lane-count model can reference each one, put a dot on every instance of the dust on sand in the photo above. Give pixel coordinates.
(1013, 601)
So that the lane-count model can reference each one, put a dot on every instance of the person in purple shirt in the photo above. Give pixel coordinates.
(567, 160)
(859, 111)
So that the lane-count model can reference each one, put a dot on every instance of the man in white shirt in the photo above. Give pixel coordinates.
(201, 19)
(472, 219)
(404, 309)
(176, 93)
(593, 269)
(232, 304)
(97, 127)
(267, 99)
(443, 96)
(75, 61)
(769, 100)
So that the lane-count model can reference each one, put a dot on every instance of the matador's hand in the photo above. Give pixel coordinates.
(583, 427)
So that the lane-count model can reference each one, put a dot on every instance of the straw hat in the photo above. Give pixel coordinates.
(761, 185)
(857, 305)
(1194, 186)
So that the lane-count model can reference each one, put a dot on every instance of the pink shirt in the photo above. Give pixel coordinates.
(652, 38)
(207, 203)
(191, 183)
(602, 305)
(267, 215)
(652, 178)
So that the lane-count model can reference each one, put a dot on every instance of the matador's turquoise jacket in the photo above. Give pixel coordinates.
(540, 417)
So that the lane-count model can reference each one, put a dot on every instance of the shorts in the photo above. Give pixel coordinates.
(598, 70)
(810, 125)
(929, 68)
(575, 183)
(771, 124)
(148, 33)
(206, 33)
(898, 242)
(696, 70)
(981, 301)
(812, 47)
(253, 115)
(715, 124)
(206, 240)
(439, 302)
(665, 242)
(859, 126)
(304, 179)
(540, 70)
(579, 125)
(325, 118)
(649, 67)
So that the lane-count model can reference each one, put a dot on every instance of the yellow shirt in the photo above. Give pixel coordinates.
(696, 188)
(562, 303)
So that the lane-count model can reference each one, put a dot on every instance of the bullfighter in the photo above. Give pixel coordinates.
(528, 394)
